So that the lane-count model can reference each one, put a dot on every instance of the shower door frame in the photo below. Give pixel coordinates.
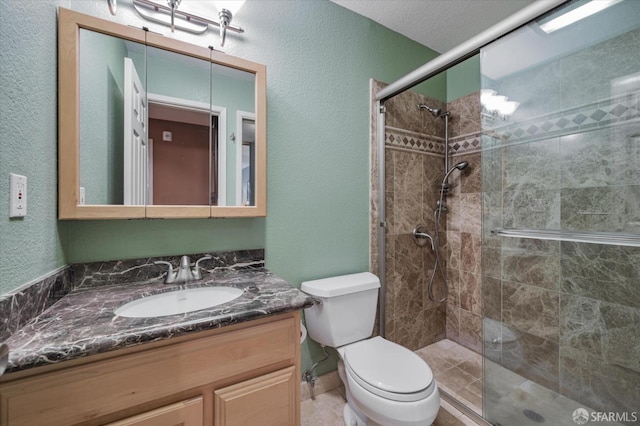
(441, 63)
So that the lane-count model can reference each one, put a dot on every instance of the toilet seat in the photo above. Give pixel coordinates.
(388, 370)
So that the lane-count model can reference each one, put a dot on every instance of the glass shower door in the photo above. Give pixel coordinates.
(561, 220)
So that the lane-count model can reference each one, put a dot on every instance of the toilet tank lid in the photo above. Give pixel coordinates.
(343, 284)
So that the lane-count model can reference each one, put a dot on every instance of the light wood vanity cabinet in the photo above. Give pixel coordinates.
(237, 375)
(186, 413)
(261, 401)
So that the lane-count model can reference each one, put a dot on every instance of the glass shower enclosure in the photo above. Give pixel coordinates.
(561, 220)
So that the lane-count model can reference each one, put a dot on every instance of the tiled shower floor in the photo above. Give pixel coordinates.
(512, 399)
(458, 372)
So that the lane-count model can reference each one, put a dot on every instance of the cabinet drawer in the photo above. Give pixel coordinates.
(89, 392)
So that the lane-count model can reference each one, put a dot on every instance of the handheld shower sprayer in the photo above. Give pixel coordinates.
(441, 207)
(459, 166)
(418, 233)
(444, 186)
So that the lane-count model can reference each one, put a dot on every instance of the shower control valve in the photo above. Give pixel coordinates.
(420, 236)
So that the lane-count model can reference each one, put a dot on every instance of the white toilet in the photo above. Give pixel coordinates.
(386, 384)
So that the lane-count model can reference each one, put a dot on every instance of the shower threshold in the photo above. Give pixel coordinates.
(512, 399)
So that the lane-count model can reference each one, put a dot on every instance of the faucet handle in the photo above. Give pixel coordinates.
(171, 276)
(185, 262)
(419, 235)
(196, 270)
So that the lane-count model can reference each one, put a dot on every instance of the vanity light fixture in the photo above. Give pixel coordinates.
(173, 4)
(226, 10)
(574, 15)
(167, 12)
(113, 6)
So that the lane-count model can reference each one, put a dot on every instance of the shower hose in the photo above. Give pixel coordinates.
(438, 266)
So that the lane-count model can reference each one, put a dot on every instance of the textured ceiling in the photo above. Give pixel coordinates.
(437, 24)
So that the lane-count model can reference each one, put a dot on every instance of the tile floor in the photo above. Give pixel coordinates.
(324, 410)
(458, 372)
(457, 369)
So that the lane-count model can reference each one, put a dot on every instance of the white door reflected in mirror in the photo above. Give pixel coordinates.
(135, 136)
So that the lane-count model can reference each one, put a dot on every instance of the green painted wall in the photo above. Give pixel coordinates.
(319, 59)
(463, 79)
(32, 246)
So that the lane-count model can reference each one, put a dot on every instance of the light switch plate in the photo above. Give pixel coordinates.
(18, 194)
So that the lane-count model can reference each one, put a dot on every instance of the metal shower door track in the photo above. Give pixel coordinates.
(468, 48)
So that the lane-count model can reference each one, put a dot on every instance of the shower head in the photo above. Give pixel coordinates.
(459, 166)
(437, 112)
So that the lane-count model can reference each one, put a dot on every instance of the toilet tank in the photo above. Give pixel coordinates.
(345, 308)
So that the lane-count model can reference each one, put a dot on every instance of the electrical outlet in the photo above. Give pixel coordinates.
(18, 194)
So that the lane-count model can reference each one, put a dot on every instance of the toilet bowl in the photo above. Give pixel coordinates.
(386, 384)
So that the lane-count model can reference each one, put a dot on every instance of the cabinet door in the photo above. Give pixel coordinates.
(269, 400)
(185, 413)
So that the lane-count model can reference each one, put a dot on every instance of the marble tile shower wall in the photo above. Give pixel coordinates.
(414, 169)
(413, 166)
(575, 165)
(464, 225)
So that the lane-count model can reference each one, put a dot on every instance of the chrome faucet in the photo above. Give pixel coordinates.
(184, 274)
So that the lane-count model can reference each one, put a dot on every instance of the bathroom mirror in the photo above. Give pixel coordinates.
(151, 127)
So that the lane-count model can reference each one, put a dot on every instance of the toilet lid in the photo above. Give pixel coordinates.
(389, 370)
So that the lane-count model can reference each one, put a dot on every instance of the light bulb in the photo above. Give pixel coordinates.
(493, 103)
(508, 107)
(485, 95)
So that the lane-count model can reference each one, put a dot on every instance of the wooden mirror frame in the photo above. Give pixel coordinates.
(69, 207)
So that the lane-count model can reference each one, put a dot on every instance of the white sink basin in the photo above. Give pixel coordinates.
(178, 302)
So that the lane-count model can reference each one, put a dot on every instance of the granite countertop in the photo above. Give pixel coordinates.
(83, 322)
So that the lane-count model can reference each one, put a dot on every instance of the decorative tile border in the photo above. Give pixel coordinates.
(601, 114)
(466, 144)
(419, 142)
(422, 143)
